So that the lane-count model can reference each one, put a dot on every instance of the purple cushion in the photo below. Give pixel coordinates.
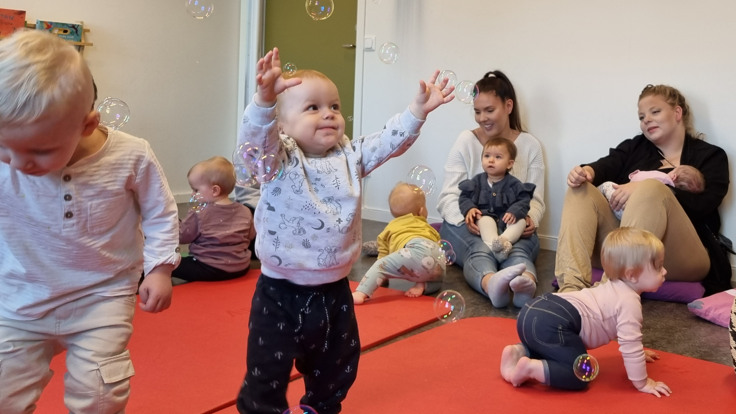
(670, 291)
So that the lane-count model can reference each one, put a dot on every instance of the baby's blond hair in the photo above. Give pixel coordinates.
(629, 248)
(217, 171)
(406, 199)
(39, 73)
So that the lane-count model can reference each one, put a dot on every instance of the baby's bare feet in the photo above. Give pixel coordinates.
(415, 291)
(509, 359)
(359, 298)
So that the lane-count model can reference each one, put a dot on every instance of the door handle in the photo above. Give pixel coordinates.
(348, 46)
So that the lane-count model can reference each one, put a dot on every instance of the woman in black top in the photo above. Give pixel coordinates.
(687, 223)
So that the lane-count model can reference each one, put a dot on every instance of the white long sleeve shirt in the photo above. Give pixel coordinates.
(80, 231)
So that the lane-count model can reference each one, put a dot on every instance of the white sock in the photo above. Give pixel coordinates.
(498, 285)
(524, 288)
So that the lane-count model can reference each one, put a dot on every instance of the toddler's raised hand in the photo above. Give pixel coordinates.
(269, 80)
(431, 96)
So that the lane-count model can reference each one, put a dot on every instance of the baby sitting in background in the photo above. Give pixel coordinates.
(407, 247)
(684, 177)
(218, 235)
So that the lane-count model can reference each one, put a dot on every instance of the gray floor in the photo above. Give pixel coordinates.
(667, 326)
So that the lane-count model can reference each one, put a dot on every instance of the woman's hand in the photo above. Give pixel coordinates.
(529, 229)
(580, 175)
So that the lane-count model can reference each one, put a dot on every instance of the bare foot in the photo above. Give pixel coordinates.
(359, 298)
(527, 369)
(415, 291)
(509, 358)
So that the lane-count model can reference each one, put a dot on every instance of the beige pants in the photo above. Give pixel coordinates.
(587, 219)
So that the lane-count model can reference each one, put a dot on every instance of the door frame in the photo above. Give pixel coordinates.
(251, 49)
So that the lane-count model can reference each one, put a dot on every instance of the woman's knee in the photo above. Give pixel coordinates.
(650, 194)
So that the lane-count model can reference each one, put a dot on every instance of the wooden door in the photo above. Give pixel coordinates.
(324, 45)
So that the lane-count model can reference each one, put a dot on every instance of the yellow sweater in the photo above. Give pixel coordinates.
(400, 230)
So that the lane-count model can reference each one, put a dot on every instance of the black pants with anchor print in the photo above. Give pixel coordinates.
(313, 327)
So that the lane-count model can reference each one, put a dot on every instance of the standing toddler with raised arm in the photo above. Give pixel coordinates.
(407, 247)
(556, 328)
(85, 211)
(220, 232)
(309, 232)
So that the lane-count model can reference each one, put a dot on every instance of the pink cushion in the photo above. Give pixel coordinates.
(715, 308)
(670, 291)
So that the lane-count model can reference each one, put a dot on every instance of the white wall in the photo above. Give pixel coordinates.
(577, 66)
(178, 75)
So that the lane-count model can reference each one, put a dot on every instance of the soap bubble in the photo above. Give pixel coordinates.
(449, 75)
(114, 113)
(422, 177)
(245, 158)
(269, 167)
(319, 9)
(197, 203)
(300, 409)
(252, 165)
(449, 306)
(388, 53)
(289, 69)
(585, 367)
(446, 252)
(466, 91)
(199, 9)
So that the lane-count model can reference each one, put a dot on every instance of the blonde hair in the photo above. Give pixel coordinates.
(39, 73)
(217, 171)
(302, 74)
(629, 248)
(406, 199)
(674, 98)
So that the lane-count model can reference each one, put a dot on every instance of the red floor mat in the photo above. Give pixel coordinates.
(455, 369)
(191, 358)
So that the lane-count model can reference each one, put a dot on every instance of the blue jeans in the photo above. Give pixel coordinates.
(477, 260)
(549, 329)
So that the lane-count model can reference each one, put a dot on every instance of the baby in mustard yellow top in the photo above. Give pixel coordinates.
(407, 247)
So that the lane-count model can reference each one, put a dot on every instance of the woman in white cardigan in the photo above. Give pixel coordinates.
(497, 114)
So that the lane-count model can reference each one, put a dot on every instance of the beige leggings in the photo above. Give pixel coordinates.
(587, 219)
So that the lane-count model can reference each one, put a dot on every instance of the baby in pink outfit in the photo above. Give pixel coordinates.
(683, 177)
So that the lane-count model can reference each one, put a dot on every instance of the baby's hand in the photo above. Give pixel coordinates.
(509, 218)
(655, 387)
(155, 290)
(650, 356)
(269, 80)
(473, 215)
(431, 96)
